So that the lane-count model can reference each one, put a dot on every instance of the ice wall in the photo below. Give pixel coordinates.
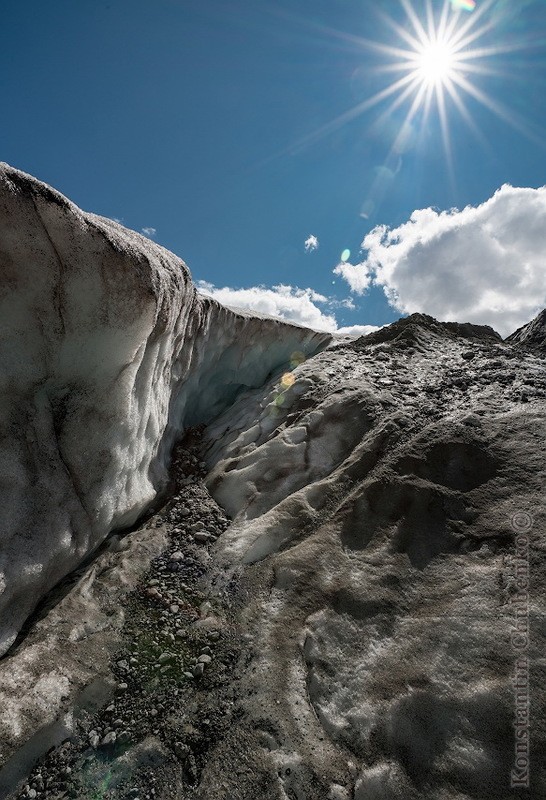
(107, 354)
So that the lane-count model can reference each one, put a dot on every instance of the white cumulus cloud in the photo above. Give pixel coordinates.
(358, 330)
(148, 231)
(357, 275)
(286, 302)
(311, 243)
(483, 264)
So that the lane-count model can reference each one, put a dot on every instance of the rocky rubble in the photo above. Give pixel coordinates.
(171, 699)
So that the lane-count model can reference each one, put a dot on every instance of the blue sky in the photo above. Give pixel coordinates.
(201, 120)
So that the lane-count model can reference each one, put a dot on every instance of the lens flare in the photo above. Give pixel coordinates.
(297, 358)
(345, 256)
(465, 5)
(288, 380)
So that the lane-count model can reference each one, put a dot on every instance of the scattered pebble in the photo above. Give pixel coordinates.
(94, 739)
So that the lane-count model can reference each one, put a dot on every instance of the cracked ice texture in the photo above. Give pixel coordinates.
(107, 353)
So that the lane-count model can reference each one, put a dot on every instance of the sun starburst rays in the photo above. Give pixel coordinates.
(434, 62)
(439, 55)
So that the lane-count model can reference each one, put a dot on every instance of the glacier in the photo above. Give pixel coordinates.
(108, 353)
(321, 601)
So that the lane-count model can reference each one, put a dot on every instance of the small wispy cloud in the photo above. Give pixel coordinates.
(347, 302)
(148, 232)
(311, 243)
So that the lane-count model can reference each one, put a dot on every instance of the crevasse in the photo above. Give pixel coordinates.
(107, 353)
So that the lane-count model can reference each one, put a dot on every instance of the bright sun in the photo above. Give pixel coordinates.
(434, 60)
(436, 63)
